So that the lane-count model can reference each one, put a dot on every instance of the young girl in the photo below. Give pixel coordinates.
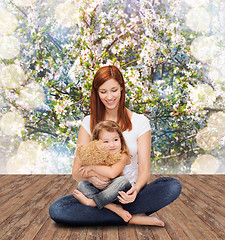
(86, 193)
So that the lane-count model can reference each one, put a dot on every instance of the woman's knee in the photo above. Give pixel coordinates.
(53, 212)
(65, 209)
(174, 187)
(168, 186)
(57, 208)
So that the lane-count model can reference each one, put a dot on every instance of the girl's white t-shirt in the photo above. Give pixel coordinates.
(140, 125)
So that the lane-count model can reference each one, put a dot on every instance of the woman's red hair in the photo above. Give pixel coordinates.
(97, 107)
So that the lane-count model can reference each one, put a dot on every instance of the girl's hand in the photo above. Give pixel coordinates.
(85, 171)
(99, 183)
(129, 196)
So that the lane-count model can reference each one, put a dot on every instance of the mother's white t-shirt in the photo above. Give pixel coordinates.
(140, 125)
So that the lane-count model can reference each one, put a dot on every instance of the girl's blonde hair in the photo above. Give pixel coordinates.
(110, 126)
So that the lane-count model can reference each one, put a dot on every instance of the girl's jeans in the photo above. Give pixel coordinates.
(107, 195)
(150, 199)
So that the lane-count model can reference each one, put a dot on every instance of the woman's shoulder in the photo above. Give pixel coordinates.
(139, 117)
(140, 123)
(87, 118)
(86, 123)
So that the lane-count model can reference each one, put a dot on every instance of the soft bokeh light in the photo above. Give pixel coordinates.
(24, 3)
(12, 76)
(202, 95)
(28, 154)
(12, 123)
(9, 47)
(216, 75)
(208, 138)
(14, 164)
(67, 14)
(217, 121)
(205, 48)
(17, 165)
(219, 60)
(29, 151)
(196, 3)
(205, 164)
(32, 96)
(198, 19)
(8, 22)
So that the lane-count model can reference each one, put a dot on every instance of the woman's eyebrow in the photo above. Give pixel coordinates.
(109, 89)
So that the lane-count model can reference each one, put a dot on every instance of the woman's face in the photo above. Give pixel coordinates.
(110, 93)
(111, 140)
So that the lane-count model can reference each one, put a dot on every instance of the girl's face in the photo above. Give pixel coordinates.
(111, 140)
(110, 93)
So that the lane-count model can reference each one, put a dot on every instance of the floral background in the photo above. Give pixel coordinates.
(172, 56)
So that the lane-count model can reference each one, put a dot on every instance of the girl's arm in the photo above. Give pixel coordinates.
(107, 171)
(96, 179)
(144, 149)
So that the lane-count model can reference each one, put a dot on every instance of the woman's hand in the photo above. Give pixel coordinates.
(99, 183)
(129, 196)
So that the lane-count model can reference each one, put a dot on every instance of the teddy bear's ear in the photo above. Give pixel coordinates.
(101, 146)
(79, 151)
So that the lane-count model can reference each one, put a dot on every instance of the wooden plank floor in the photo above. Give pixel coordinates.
(199, 213)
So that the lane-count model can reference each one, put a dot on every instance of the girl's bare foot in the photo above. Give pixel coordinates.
(116, 208)
(125, 215)
(143, 219)
(83, 199)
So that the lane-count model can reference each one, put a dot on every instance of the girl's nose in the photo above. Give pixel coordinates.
(111, 144)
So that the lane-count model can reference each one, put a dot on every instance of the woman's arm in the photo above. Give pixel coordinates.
(83, 138)
(144, 150)
(108, 171)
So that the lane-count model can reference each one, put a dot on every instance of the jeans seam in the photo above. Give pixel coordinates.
(97, 202)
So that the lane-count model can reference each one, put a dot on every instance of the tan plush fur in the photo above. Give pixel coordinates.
(95, 153)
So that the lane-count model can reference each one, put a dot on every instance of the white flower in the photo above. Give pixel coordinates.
(59, 108)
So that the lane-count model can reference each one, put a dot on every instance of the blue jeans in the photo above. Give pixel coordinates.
(107, 195)
(151, 198)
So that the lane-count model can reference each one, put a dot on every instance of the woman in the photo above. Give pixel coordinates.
(108, 103)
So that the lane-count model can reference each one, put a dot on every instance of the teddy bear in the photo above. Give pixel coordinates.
(95, 153)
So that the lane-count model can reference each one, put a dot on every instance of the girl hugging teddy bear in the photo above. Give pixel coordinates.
(105, 156)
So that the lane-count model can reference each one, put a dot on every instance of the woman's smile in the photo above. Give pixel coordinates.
(111, 102)
(110, 93)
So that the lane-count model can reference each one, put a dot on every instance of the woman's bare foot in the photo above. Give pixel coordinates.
(143, 219)
(83, 199)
